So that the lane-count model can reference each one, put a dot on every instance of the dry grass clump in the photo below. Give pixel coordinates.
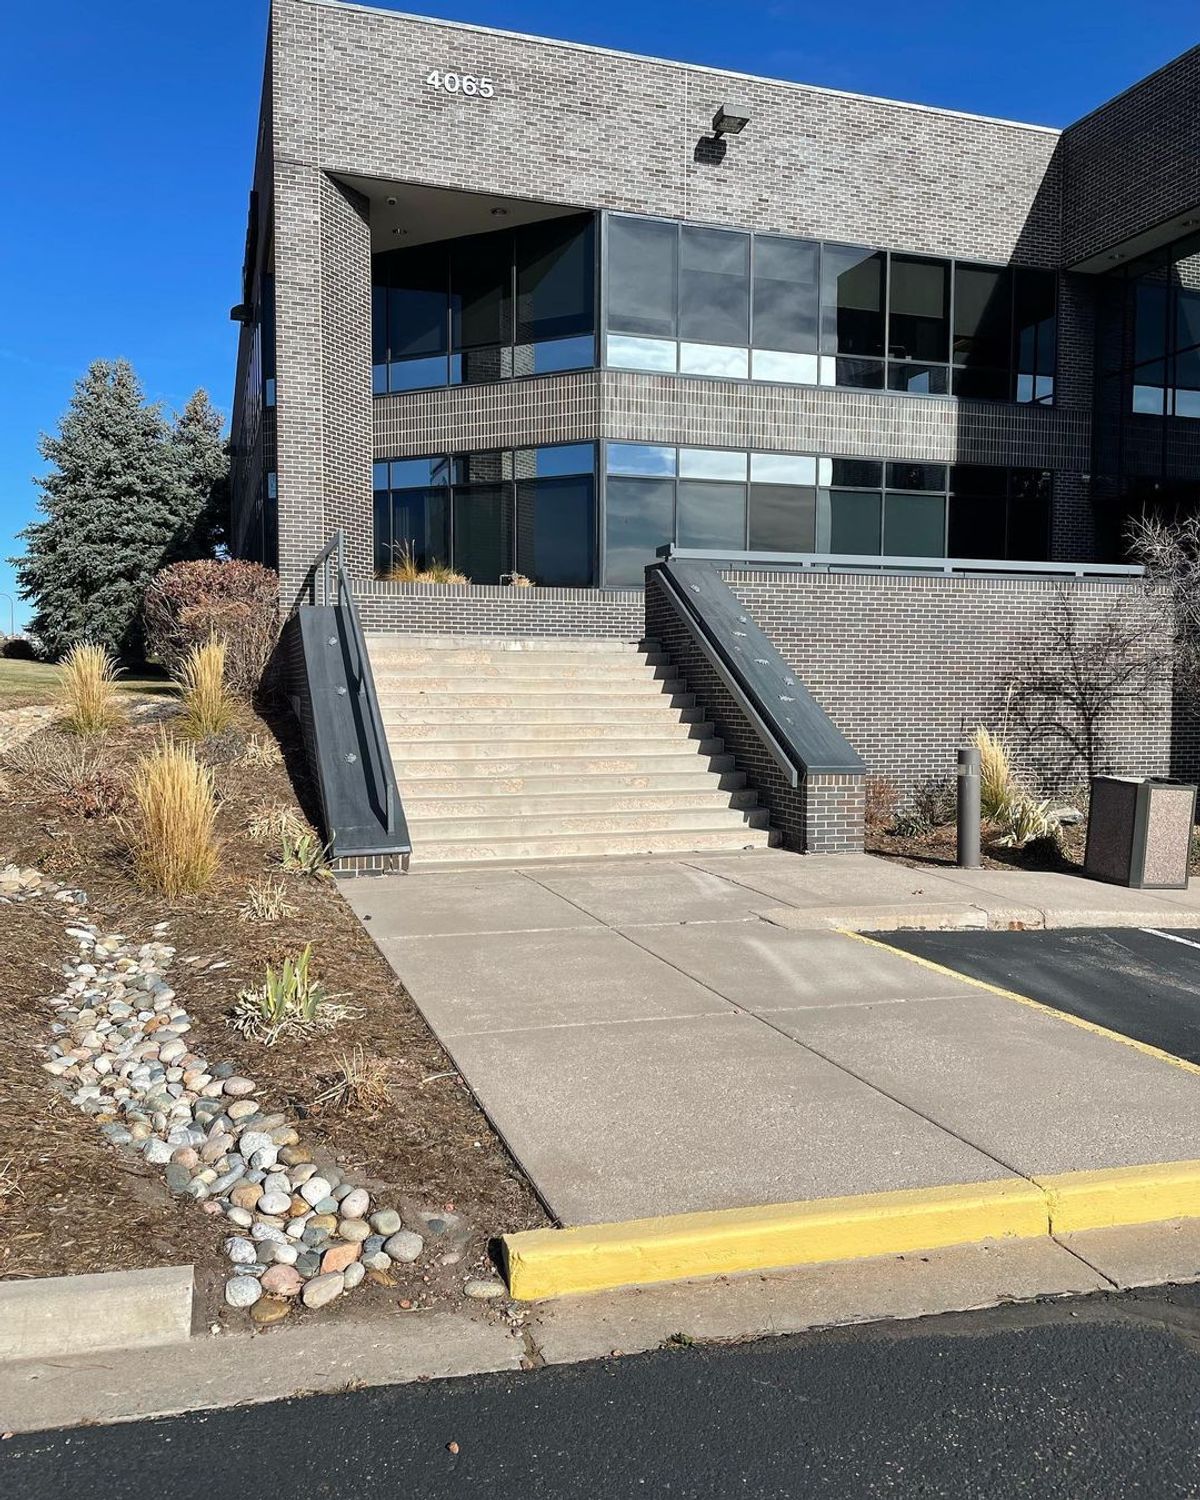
(208, 706)
(359, 1084)
(274, 822)
(88, 691)
(172, 840)
(261, 752)
(996, 783)
(266, 901)
(881, 799)
(87, 784)
(405, 569)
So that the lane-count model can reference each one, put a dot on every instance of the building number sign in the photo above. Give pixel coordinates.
(461, 83)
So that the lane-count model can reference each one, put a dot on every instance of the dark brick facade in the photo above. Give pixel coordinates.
(486, 609)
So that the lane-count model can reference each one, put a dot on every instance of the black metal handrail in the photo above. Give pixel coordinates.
(792, 726)
(332, 558)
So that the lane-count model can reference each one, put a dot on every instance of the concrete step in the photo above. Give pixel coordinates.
(403, 732)
(494, 645)
(585, 845)
(419, 807)
(551, 690)
(534, 825)
(611, 715)
(484, 787)
(506, 767)
(534, 664)
(597, 747)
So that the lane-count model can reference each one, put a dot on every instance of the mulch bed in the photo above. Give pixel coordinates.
(939, 847)
(69, 1202)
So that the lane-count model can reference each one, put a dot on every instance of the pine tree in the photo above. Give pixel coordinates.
(126, 495)
(203, 458)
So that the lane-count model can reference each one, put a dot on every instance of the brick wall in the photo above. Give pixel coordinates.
(907, 666)
(493, 609)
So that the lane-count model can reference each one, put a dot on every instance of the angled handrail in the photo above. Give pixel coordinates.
(365, 682)
(792, 726)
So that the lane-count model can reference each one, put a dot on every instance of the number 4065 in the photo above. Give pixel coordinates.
(460, 83)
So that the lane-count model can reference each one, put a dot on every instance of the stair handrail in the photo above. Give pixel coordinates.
(331, 560)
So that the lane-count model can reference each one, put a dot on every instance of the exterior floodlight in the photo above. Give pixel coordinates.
(730, 119)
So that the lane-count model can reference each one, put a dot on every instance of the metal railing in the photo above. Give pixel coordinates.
(849, 562)
(331, 586)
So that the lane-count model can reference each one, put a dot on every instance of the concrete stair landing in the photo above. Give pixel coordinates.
(508, 749)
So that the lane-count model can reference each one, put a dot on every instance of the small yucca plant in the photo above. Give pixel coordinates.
(172, 841)
(208, 706)
(88, 690)
(1025, 821)
(303, 854)
(288, 1000)
(996, 787)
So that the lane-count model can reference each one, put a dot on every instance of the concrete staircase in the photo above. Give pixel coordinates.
(546, 749)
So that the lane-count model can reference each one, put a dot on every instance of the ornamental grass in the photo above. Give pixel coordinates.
(88, 691)
(208, 706)
(172, 839)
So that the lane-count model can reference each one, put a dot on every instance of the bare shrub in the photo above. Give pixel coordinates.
(932, 803)
(235, 601)
(882, 799)
(359, 1084)
(88, 691)
(88, 786)
(1170, 553)
(173, 837)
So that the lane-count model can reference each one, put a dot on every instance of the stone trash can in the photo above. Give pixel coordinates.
(1140, 832)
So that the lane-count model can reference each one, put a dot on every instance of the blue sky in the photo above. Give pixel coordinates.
(128, 132)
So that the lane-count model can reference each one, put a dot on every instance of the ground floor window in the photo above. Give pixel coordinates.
(490, 515)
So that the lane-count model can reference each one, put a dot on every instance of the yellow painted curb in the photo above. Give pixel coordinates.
(557, 1262)
(1122, 1195)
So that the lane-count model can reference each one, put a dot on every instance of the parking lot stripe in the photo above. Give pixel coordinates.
(1049, 1010)
(1171, 937)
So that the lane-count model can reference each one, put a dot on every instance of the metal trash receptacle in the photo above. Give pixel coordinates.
(1140, 831)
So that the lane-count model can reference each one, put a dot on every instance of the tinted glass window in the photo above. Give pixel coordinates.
(1029, 515)
(852, 300)
(982, 317)
(1034, 318)
(863, 374)
(785, 294)
(639, 516)
(481, 291)
(854, 522)
(711, 463)
(640, 458)
(919, 325)
(642, 265)
(1150, 322)
(555, 279)
(908, 476)
(914, 526)
(783, 518)
(714, 286)
(918, 380)
(1187, 319)
(417, 301)
(483, 531)
(556, 522)
(421, 526)
(711, 514)
(383, 530)
(859, 473)
(977, 526)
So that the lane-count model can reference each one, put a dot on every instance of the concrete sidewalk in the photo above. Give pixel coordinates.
(656, 1037)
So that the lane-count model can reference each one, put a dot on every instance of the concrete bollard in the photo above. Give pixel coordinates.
(969, 814)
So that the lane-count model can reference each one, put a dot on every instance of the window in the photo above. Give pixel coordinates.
(1034, 335)
(786, 297)
(854, 522)
(445, 313)
(642, 265)
(999, 513)
(919, 311)
(490, 513)
(714, 286)
(711, 499)
(1166, 350)
(639, 517)
(783, 503)
(982, 338)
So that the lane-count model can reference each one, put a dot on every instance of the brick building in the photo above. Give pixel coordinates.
(528, 307)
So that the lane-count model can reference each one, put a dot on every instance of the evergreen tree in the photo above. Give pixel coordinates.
(127, 494)
(203, 458)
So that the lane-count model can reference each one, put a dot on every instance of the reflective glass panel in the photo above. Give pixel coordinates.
(857, 473)
(977, 526)
(916, 476)
(711, 514)
(481, 291)
(786, 296)
(1029, 516)
(711, 463)
(784, 368)
(639, 517)
(914, 526)
(982, 317)
(714, 286)
(628, 353)
(918, 380)
(919, 302)
(421, 526)
(852, 301)
(560, 354)
(556, 524)
(642, 267)
(783, 468)
(854, 522)
(560, 458)
(983, 385)
(417, 302)
(555, 279)
(783, 518)
(863, 374)
(640, 458)
(483, 531)
(714, 359)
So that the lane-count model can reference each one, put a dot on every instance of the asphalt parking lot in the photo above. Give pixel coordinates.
(1141, 982)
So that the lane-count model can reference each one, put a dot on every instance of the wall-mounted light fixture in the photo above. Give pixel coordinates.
(730, 119)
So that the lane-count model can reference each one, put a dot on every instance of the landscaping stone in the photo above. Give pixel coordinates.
(282, 1281)
(404, 1246)
(242, 1291)
(356, 1230)
(484, 1291)
(270, 1310)
(386, 1221)
(353, 1274)
(322, 1289)
(355, 1203)
(339, 1256)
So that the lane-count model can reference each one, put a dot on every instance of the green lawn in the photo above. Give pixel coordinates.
(26, 682)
